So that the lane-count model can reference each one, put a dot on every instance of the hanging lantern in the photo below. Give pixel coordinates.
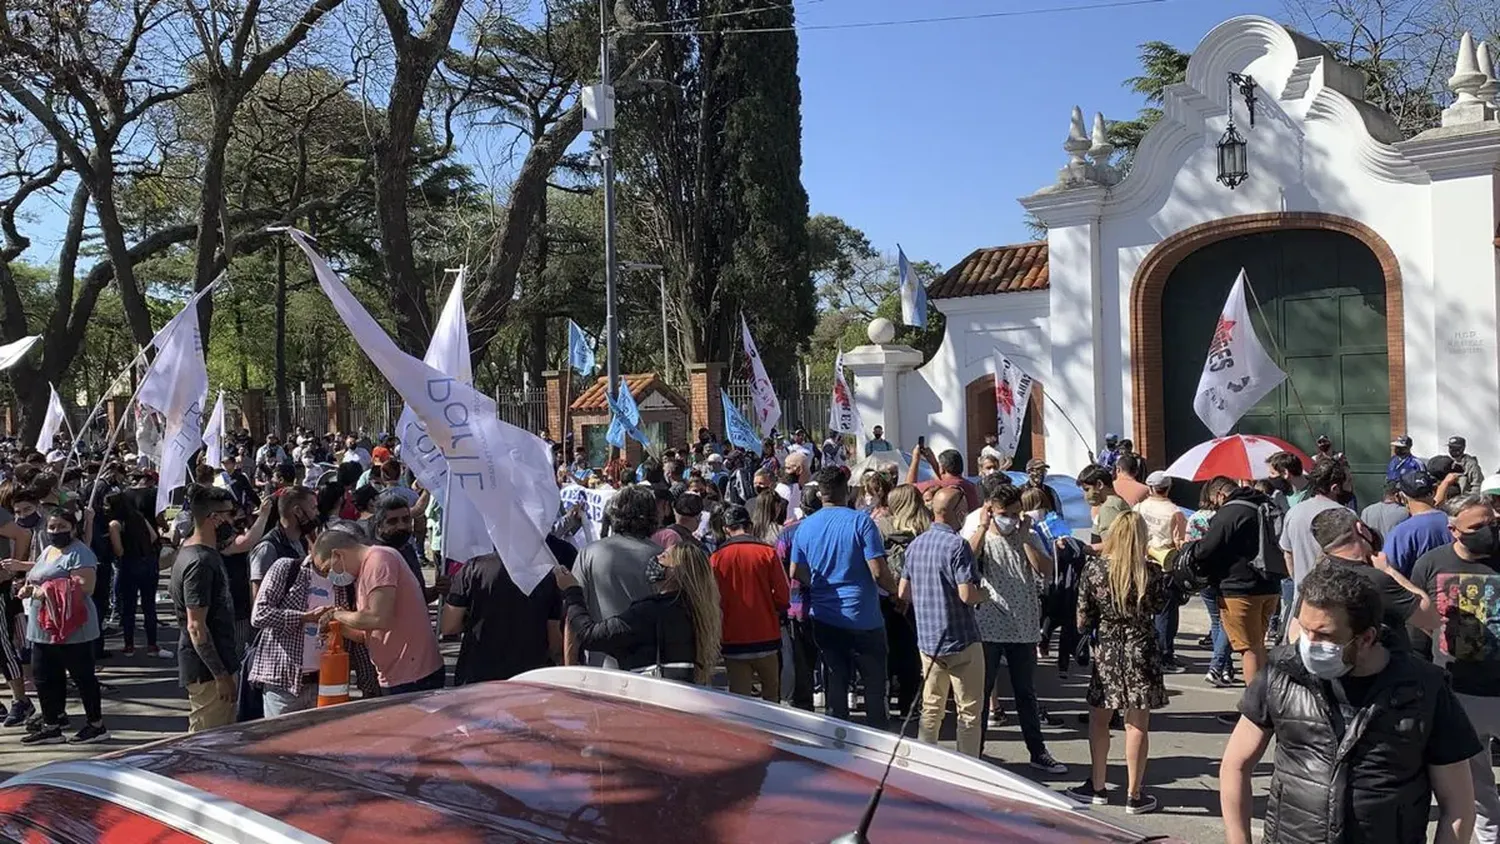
(1234, 163)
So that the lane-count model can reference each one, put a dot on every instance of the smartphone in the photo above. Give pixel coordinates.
(921, 442)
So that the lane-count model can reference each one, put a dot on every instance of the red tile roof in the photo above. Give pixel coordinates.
(591, 400)
(999, 269)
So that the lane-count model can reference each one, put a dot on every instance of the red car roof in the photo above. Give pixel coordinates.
(524, 761)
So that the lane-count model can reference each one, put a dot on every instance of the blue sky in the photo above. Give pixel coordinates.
(927, 134)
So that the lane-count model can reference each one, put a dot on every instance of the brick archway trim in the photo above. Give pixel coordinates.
(1151, 282)
(979, 404)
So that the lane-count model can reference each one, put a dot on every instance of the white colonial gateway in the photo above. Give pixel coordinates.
(1373, 258)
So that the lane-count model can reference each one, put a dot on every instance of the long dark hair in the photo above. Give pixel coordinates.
(135, 532)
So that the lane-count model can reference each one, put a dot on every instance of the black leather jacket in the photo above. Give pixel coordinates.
(1310, 792)
(655, 630)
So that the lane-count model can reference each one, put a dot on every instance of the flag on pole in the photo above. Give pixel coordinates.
(213, 435)
(51, 423)
(1012, 393)
(737, 428)
(580, 350)
(1238, 372)
(767, 408)
(843, 416)
(913, 294)
(11, 353)
(624, 418)
(505, 472)
(464, 534)
(176, 386)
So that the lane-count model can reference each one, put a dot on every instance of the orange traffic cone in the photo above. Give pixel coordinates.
(333, 670)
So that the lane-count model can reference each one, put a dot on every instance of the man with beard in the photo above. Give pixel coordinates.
(1347, 541)
(207, 653)
(392, 525)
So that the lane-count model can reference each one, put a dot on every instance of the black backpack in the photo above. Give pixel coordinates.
(1269, 559)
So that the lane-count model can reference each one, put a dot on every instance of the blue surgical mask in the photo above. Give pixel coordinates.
(1006, 524)
(1324, 659)
(340, 578)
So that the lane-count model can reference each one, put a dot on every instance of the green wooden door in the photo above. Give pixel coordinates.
(1322, 296)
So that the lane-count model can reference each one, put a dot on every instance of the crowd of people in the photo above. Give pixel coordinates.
(798, 583)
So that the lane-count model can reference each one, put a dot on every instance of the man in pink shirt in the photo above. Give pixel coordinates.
(392, 616)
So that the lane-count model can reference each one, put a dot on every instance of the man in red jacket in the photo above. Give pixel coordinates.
(754, 595)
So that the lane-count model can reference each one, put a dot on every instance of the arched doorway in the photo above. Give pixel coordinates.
(1330, 294)
(979, 398)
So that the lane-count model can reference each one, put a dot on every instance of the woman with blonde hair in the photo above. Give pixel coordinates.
(908, 519)
(1119, 597)
(672, 633)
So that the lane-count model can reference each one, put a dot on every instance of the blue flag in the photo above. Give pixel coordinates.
(913, 294)
(737, 428)
(624, 418)
(580, 352)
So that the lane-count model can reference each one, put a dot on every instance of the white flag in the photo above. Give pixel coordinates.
(213, 435)
(11, 353)
(464, 534)
(176, 386)
(763, 395)
(51, 423)
(505, 472)
(843, 416)
(1238, 372)
(1012, 393)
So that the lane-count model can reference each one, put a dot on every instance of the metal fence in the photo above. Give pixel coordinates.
(804, 404)
(523, 407)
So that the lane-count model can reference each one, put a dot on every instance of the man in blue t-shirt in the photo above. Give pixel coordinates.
(1426, 529)
(1402, 460)
(839, 553)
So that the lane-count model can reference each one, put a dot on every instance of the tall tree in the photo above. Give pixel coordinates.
(1162, 66)
(711, 171)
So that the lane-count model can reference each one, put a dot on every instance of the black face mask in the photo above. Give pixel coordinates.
(397, 539)
(1484, 542)
(29, 522)
(60, 539)
(223, 534)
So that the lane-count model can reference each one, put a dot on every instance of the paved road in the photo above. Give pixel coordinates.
(1186, 741)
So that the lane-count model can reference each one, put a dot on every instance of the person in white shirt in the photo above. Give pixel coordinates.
(354, 452)
(990, 450)
(1166, 528)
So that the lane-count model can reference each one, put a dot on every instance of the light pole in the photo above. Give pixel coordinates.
(633, 266)
(604, 124)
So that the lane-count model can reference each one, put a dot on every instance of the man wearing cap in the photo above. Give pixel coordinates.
(1425, 530)
(754, 596)
(1036, 478)
(1111, 452)
(1402, 460)
(1468, 465)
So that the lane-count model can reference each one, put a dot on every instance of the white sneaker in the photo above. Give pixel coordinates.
(853, 701)
(819, 700)
(162, 653)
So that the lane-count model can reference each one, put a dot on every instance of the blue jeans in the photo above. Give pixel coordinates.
(1020, 660)
(1288, 598)
(1220, 661)
(1166, 625)
(281, 702)
(845, 652)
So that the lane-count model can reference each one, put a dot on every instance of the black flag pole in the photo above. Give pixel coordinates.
(1296, 396)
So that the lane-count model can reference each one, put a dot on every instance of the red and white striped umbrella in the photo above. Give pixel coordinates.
(1238, 456)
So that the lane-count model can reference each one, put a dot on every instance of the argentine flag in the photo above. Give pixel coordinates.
(580, 352)
(913, 294)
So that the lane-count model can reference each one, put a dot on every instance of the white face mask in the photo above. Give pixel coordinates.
(1006, 524)
(1324, 659)
(338, 576)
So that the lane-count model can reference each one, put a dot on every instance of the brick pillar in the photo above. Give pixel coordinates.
(114, 410)
(557, 404)
(705, 408)
(253, 414)
(336, 399)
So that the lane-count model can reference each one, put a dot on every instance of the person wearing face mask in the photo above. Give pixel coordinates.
(1365, 736)
(62, 639)
(1471, 475)
(392, 617)
(297, 592)
(1463, 578)
(1098, 485)
(1402, 460)
(1424, 530)
(1332, 487)
(208, 653)
(296, 520)
(1348, 541)
(392, 524)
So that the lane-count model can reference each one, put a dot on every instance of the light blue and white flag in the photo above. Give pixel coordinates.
(213, 435)
(580, 350)
(913, 294)
(624, 418)
(737, 428)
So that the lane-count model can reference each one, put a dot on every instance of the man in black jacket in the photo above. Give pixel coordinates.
(1365, 736)
(1224, 556)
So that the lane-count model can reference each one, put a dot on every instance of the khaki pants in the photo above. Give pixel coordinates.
(964, 673)
(205, 709)
(744, 672)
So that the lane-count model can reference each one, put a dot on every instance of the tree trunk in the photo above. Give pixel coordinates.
(136, 313)
(283, 412)
(536, 353)
(239, 338)
(211, 207)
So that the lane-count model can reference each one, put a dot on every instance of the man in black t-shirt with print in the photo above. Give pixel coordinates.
(1348, 541)
(1464, 581)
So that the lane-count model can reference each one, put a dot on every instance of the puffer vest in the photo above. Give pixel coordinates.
(1310, 801)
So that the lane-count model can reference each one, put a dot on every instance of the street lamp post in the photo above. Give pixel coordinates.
(605, 123)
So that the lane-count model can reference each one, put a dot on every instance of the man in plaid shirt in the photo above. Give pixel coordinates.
(942, 583)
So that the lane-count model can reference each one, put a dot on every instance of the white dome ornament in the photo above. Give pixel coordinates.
(881, 331)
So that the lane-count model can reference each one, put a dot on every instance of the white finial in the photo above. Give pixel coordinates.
(1102, 148)
(1078, 142)
(1467, 77)
(1490, 86)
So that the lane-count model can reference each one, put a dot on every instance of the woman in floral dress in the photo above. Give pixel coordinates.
(1119, 597)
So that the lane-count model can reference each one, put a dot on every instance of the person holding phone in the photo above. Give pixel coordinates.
(949, 468)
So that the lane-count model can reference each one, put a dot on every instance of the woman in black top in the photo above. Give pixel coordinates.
(673, 633)
(133, 540)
